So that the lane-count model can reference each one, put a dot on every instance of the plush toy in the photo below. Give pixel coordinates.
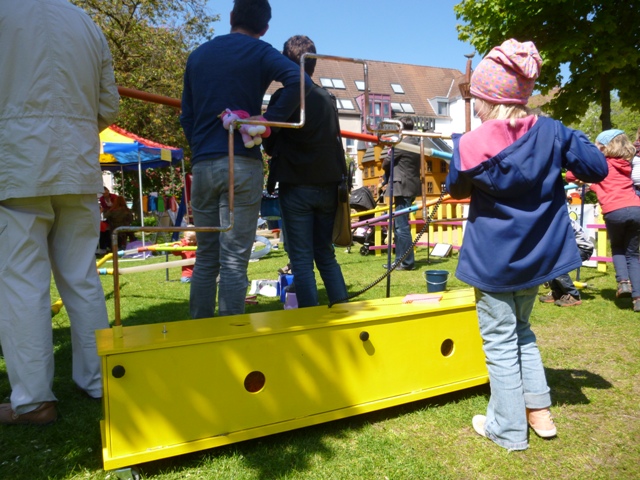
(251, 134)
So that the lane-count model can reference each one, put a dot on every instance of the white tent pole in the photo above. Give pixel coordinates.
(140, 192)
(184, 188)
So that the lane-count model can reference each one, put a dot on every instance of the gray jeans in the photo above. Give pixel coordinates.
(223, 257)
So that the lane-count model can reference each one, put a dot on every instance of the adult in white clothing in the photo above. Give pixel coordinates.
(57, 91)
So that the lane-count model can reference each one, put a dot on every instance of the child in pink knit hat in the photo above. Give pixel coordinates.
(518, 234)
(507, 74)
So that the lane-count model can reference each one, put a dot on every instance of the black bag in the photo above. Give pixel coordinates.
(342, 233)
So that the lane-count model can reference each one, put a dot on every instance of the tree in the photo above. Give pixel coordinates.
(150, 41)
(621, 117)
(598, 41)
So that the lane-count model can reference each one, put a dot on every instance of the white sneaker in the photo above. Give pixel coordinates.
(478, 422)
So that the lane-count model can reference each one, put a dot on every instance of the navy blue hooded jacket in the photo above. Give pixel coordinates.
(518, 234)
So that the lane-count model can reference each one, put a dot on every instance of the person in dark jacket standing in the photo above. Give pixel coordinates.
(306, 162)
(518, 232)
(406, 187)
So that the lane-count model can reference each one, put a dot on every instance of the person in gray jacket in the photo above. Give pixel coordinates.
(57, 91)
(406, 187)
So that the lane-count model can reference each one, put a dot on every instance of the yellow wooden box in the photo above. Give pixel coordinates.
(190, 385)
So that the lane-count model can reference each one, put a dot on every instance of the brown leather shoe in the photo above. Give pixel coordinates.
(45, 414)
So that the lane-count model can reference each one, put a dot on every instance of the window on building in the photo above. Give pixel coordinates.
(443, 108)
(360, 85)
(351, 147)
(473, 109)
(365, 173)
(429, 187)
(345, 104)
(397, 88)
(443, 186)
(402, 107)
(407, 108)
(373, 171)
(379, 110)
(332, 83)
(429, 166)
(443, 166)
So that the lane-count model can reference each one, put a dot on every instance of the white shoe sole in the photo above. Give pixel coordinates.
(478, 422)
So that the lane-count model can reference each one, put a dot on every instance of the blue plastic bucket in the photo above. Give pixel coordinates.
(436, 280)
(283, 281)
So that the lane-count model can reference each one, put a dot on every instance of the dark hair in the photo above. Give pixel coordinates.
(252, 15)
(407, 123)
(297, 46)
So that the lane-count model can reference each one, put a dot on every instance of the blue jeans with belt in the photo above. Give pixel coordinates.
(223, 253)
(515, 368)
(308, 213)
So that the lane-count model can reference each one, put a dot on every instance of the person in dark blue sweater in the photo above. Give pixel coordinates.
(230, 72)
(518, 233)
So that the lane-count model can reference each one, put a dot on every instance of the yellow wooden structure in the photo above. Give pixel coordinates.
(191, 385)
(600, 251)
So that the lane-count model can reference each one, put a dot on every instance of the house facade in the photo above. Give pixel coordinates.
(430, 95)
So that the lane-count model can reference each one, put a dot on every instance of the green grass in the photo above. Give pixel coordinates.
(591, 355)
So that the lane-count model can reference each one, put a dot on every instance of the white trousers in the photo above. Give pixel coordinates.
(38, 236)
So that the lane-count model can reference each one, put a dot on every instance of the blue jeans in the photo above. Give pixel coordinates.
(623, 228)
(308, 213)
(402, 231)
(513, 360)
(223, 253)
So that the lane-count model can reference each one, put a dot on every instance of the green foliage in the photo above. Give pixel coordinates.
(150, 42)
(598, 41)
(621, 117)
(150, 222)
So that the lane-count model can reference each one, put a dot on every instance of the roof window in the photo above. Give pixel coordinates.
(332, 83)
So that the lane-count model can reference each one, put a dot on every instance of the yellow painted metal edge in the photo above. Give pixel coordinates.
(207, 330)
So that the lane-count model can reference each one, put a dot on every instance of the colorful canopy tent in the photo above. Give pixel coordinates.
(121, 150)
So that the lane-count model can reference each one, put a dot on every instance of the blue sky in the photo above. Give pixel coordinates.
(420, 32)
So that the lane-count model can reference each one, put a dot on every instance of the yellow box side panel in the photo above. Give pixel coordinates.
(190, 396)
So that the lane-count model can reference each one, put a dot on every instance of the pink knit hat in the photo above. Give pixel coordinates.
(507, 74)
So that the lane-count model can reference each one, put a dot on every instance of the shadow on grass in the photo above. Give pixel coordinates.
(567, 386)
(71, 443)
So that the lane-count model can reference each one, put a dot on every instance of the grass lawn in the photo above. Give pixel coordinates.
(591, 355)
